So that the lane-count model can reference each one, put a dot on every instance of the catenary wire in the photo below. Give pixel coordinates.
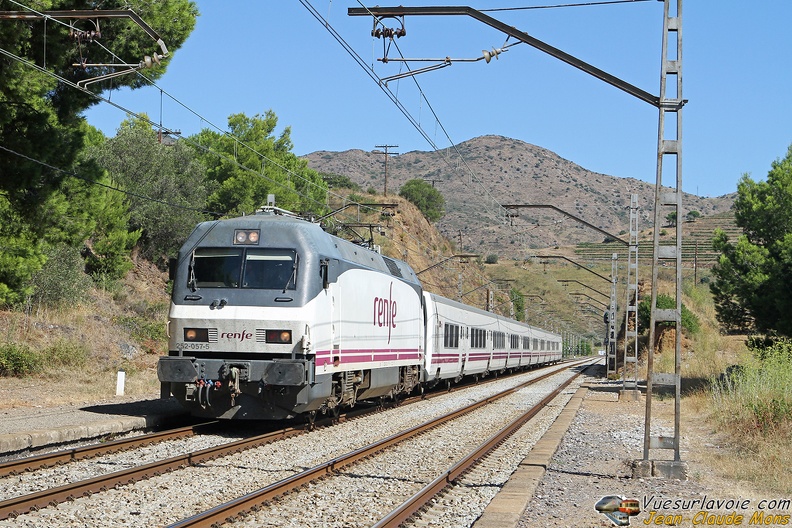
(554, 6)
(369, 71)
(263, 157)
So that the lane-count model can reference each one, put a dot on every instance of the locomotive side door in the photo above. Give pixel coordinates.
(335, 310)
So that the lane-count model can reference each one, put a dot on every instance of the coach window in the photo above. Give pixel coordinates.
(270, 269)
(215, 268)
(478, 338)
(451, 336)
(515, 342)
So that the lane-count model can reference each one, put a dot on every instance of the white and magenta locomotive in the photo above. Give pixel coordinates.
(271, 317)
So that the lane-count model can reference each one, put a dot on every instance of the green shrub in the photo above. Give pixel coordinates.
(18, 360)
(690, 323)
(143, 328)
(66, 353)
(766, 347)
(425, 197)
(62, 279)
(756, 397)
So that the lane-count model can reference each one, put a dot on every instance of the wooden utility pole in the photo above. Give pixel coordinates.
(386, 147)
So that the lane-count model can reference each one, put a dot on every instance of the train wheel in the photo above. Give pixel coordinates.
(336, 411)
(311, 417)
(448, 385)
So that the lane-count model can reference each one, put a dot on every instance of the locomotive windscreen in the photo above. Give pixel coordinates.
(274, 269)
(216, 268)
(271, 269)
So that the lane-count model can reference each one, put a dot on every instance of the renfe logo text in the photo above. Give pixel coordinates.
(241, 336)
(385, 312)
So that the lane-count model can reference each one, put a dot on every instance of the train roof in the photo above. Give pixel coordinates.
(285, 231)
(462, 306)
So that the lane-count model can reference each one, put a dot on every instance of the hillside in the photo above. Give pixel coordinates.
(122, 325)
(514, 172)
(80, 347)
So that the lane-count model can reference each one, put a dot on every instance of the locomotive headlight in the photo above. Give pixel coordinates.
(279, 336)
(246, 236)
(196, 335)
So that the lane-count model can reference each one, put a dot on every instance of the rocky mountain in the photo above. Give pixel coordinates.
(487, 171)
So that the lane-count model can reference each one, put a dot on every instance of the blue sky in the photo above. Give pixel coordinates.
(250, 57)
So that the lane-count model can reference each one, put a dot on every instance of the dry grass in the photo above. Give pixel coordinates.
(81, 348)
(761, 458)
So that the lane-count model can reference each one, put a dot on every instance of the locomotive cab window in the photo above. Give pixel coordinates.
(270, 269)
(216, 268)
(274, 269)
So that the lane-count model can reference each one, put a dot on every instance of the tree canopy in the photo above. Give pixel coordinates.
(425, 197)
(165, 183)
(40, 116)
(49, 197)
(249, 163)
(753, 277)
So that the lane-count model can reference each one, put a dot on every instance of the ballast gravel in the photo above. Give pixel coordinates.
(169, 498)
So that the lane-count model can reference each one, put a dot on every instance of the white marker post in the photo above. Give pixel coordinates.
(120, 379)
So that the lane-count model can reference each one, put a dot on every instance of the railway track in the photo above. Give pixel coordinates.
(32, 502)
(33, 463)
(254, 501)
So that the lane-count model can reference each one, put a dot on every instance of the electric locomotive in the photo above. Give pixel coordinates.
(272, 317)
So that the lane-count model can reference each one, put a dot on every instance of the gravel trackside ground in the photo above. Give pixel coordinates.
(595, 458)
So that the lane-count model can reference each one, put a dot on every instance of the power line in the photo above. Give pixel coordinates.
(581, 4)
(109, 187)
(227, 158)
(160, 127)
(370, 72)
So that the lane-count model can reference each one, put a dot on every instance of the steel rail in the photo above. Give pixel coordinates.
(254, 500)
(33, 463)
(22, 504)
(415, 503)
(16, 506)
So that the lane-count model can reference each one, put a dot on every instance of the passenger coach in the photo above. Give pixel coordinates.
(463, 340)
